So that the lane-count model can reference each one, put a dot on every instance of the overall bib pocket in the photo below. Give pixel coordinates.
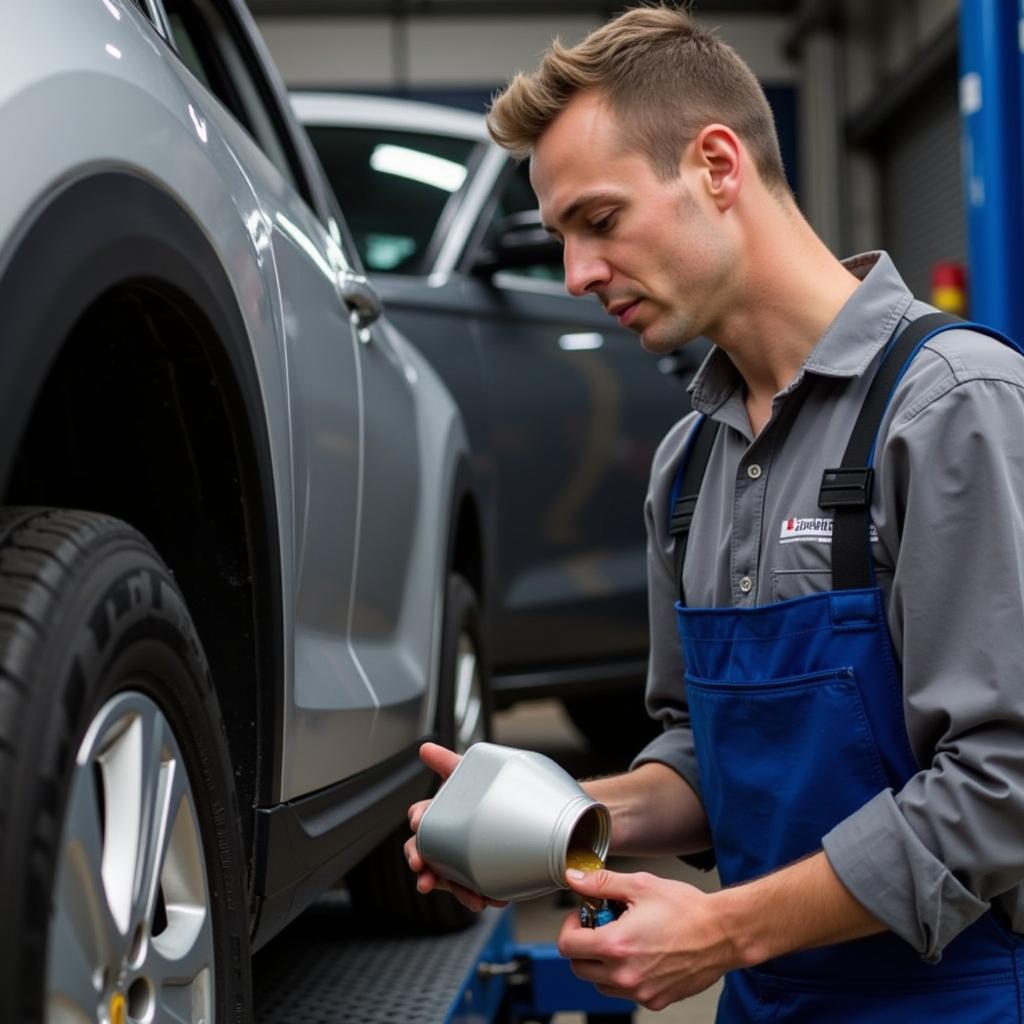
(781, 762)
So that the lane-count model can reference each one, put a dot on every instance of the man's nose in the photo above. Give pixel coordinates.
(584, 270)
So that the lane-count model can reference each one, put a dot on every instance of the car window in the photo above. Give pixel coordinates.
(394, 186)
(215, 51)
(517, 196)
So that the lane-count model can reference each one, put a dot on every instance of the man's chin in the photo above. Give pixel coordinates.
(660, 337)
(658, 344)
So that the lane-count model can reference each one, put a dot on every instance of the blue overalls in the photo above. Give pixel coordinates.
(798, 721)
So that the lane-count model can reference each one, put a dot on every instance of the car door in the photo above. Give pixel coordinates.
(330, 707)
(576, 409)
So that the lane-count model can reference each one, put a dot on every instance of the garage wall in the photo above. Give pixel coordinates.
(883, 75)
(463, 61)
(923, 216)
(430, 52)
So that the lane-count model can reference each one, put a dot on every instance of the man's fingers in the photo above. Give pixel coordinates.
(615, 993)
(416, 812)
(412, 855)
(427, 881)
(606, 885)
(467, 897)
(578, 943)
(439, 759)
(472, 899)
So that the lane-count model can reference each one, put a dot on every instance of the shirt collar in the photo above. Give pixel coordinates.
(858, 333)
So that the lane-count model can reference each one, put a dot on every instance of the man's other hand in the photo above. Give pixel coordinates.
(668, 944)
(442, 761)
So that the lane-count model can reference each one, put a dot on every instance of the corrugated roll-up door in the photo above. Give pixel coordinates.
(922, 199)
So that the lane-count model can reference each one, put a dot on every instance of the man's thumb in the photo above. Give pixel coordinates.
(604, 884)
(439, 759)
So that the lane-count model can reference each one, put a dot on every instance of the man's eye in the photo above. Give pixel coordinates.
(604, 224)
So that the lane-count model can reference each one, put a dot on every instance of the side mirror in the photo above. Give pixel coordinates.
(521, 242)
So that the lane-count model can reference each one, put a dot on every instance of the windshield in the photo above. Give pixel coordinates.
(393, 187)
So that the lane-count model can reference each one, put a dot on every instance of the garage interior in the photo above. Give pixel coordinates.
(865, 96)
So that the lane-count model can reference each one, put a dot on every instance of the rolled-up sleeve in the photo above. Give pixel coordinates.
(928, 860)
(666, 701)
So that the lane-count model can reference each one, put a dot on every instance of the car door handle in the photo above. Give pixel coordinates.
(363, 302)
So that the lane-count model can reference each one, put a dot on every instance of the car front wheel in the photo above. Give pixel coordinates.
(120, 822)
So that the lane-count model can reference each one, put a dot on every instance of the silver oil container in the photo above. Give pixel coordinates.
(504, 820)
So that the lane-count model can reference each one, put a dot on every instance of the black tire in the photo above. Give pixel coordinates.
(382, 888)
(615, 724)
(90, 619)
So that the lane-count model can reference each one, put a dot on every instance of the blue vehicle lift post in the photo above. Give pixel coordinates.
(991, 81)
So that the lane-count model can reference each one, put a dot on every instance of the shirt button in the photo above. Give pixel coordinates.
(753, 471)
(746, 584)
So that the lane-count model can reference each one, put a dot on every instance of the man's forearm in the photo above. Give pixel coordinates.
(799, 906)
(654, 811)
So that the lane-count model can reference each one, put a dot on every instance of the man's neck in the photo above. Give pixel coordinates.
(793, 289)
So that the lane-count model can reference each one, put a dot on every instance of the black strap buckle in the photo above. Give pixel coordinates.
(682, 514)
(846, 487)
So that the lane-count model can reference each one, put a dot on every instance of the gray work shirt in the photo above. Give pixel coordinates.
(948, 506)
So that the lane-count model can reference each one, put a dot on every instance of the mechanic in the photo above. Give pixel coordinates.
(844, 723)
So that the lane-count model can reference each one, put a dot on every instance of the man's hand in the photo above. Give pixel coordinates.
(674, 940)
(668, 944)
(443, 761)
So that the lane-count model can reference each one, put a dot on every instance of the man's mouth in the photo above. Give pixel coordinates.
(624, 311)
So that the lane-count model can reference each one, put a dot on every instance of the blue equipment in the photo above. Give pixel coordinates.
(991, 82)
(327, 969)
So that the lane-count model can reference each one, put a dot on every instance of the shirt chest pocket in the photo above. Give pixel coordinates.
(790, 583)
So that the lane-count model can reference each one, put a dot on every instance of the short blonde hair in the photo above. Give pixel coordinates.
(664, 78)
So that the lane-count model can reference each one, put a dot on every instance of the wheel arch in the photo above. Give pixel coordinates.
(466, 550)
(115, 246)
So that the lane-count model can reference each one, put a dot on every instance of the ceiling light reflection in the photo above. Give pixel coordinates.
(417, 166)
(302, 240)
(198, 123)
(580, 342)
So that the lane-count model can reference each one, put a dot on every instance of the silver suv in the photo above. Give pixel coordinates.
(238, 562)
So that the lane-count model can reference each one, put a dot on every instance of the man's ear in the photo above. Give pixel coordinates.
(719, 157)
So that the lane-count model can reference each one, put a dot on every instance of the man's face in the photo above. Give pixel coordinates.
(653, 251)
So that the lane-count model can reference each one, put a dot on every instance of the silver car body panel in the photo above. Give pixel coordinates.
(349, 424)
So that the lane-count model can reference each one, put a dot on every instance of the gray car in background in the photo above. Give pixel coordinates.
(236, 524)
(564, 408)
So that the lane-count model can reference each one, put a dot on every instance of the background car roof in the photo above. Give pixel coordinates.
(327, 108)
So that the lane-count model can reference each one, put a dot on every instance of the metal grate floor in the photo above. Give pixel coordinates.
(322, 970)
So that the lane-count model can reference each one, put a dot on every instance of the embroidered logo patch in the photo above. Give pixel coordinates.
(813, 529)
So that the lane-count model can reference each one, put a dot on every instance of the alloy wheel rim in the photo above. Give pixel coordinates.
(131, 930)
(469, 703)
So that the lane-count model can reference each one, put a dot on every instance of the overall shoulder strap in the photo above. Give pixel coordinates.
(846, 490)
(686, 491)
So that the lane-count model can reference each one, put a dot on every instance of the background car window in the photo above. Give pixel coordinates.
(216, 55)
(394, 186)
(517, 196)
